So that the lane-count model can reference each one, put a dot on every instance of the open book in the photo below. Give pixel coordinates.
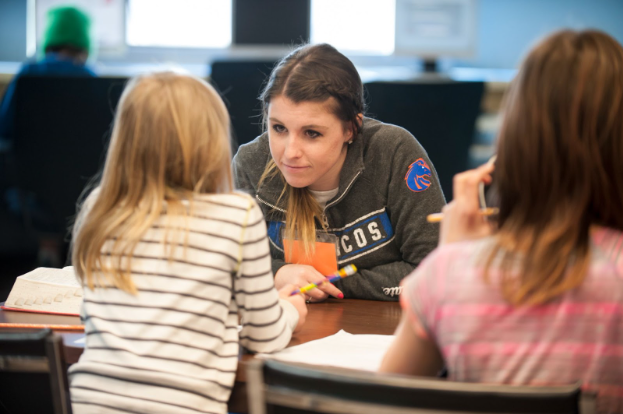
(46, 290)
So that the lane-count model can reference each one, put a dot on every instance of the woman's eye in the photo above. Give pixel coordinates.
(312, 134)
(279, 128)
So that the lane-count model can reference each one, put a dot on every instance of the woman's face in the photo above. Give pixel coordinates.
(308, 142)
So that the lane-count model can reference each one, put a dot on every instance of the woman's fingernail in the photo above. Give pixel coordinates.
(341, 296)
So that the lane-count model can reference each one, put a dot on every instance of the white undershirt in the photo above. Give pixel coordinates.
(323, 196)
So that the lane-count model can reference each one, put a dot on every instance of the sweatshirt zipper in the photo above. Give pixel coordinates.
(325, 220)
(270, 205)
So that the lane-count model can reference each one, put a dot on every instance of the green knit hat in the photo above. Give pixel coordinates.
(67, 26)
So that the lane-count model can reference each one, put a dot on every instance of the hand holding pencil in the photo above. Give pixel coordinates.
(464, 218)
(485, 212)
(340, 274)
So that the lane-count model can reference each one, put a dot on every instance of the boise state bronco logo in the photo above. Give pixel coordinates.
(418, 177)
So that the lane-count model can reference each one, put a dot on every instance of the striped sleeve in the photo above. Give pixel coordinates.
(267, 322)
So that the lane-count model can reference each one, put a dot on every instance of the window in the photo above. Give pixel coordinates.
(179, 23)
(360, 26)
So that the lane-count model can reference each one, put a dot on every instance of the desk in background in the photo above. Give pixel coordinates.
(324, 319)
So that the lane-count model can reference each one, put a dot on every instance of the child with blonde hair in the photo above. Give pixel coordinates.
(172, 260)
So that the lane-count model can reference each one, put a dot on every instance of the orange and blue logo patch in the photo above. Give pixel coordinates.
(418, 176)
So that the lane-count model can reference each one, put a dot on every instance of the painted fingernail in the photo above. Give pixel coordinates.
(341, 296)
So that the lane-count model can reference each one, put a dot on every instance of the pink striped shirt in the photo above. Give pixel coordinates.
(576, 337)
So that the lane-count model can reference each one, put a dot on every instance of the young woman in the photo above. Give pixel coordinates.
(540, 301)
(321, 165)
(171, 260)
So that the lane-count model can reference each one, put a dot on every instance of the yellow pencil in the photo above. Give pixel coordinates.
(340, 274)
(55, 327)
(437, 217)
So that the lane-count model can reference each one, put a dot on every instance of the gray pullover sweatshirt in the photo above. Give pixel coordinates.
(387, 188)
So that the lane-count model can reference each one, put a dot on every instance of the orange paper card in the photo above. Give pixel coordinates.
(323, 260)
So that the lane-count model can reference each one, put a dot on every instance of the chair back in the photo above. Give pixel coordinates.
(441, 114)
(33, 375)
(240, 83)
(62, 129)
(277, 387)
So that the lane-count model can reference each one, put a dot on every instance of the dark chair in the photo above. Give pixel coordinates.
(277, 387)
(33, 375)
(239, 83)
(62, 128)
(441, 114)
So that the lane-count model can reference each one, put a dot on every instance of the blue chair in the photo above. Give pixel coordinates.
(62, 128)
(240, 83)
(440, 113)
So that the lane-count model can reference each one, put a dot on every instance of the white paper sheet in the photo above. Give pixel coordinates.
(363, 352)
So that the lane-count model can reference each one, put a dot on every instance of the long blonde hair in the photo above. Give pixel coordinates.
(313, 73)
(559, 165)
(302, 210)
(170, 140)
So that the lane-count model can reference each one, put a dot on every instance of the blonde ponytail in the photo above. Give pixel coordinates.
(302, 210)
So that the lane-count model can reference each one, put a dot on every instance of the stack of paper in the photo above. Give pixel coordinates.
(363, 352)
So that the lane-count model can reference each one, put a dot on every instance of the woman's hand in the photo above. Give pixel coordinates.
(298, 301)
(302, 275)
(462, 219)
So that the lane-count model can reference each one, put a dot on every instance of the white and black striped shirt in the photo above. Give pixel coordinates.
(173, 347)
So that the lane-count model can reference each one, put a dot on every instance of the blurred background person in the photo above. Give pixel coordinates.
(66, 44)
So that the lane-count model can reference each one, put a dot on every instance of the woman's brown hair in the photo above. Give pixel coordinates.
(559, 164)
(312, 73)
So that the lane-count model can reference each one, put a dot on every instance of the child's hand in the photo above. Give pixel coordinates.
(462, 219)
(298, 301)
(303, 275)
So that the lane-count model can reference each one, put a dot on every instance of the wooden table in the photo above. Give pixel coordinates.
(323, 319)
